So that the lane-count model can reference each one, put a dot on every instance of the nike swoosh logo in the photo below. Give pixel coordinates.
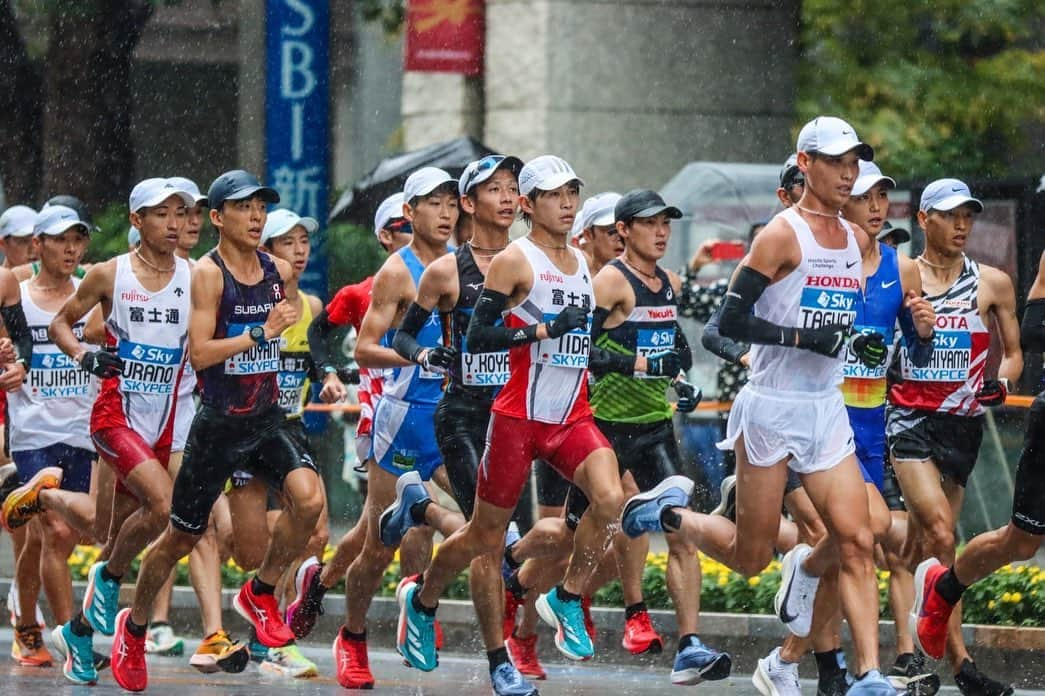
(846, 132)
(888, 285)
(956, 190)
(850, 265)
(784, 616)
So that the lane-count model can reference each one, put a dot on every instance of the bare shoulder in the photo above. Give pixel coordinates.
(286, 271)
(775, 251)
(442, 269)
(996, 279)
(23, 272)
(675, 280)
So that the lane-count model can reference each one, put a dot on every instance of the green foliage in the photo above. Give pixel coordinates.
(352, 255)
(942, 88)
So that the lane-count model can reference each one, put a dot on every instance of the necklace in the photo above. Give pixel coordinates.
(942, 267)
(47, 288)
(546, 246)
(817, 212)
(152, 265)
(651, 276)
(493, 252)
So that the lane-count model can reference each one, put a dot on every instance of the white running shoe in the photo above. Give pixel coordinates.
(774, 677)
(794, 599)
(161, 640)
(289, 662)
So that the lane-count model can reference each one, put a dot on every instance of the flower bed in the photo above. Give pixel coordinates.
(1013, 596)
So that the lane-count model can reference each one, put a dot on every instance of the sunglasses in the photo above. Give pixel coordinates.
(485, 164)
(399, 225)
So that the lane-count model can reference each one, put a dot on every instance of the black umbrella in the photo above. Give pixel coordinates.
(359, 204)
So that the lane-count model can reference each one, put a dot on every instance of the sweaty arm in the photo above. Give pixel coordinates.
(388, 292)
(1004, 308)
(95, 288)
(725, 348)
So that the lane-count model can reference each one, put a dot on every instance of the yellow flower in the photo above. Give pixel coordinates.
(754, 581)
(722, 580)
(1017, 597)
(1007, 597)
(991, 604)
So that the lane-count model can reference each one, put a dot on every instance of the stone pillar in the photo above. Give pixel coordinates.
(630, 91)
(250, 132)
(440, 106)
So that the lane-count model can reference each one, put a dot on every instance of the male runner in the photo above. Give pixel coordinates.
(542, 411)
(595, 232)
(239, 310)
(403, 435)
(803, 278)
(935, 419)
(16, 235)
(348, 307)
(49, 435)
(489, 193)
(939, 588)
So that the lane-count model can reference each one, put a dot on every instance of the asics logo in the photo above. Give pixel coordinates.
(260, 613)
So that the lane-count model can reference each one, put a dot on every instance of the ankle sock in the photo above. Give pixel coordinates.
(632, 610)
(497, 657)
(349, 635)
(134, 629)
(417, 510)
(415, 600)
(513, 585)
(258, 587)
(80, 627)
(509, 558)
(564, 596)
(106, 575)
(690, 639)
(950, 588)
(670, 519)
(826, 663)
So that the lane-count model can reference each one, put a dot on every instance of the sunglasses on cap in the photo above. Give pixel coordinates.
(485, 164)
(399, 225)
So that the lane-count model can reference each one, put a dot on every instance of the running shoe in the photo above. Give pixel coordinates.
(415, 637)
(31, 651)
(910, 674)
(353, 664)
(8, 480)
(160, 640)
(567, 618)
(13, 605)
(511, 611)
(511, 537)
(523, 652)
(128, 656)
(794, 599)
(396, 520)
(727, 505)
(219, 653)
(101, 600)
(262, 612)
(642, 512)
(289, 662)
(589, 620)
(640, 636)
(78, 651)
(873, 684)
(930, 612)
(698, 663)
(258, 652)
(307, 606)
(972, 682)
(24, 502)
(774, 677)
(834, 684)
(508, 682)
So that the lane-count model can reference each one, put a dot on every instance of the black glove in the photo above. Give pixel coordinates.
(439, 358)
(567, 320)
(666, 364)
(689, 396)
(992, 393)
(102, 364)
(870, 349)
(827, 340)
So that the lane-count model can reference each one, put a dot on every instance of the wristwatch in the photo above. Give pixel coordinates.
(258, 334)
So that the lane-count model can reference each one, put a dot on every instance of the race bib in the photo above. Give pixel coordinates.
(828, 300)
(569, 350)
(652, 341)
(852, 368)
(291, 385)
(951, 357)
(149, 369)
(483, 369)
(56, 376)
(259, 359)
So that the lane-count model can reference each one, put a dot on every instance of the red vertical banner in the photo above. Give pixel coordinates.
(445, 36)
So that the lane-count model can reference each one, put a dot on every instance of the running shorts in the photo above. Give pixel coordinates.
(461, 422)
(264, 444)
(74, 462)
(868, 426)
(403, 438)
(124, 449)
(810, 427)
(513, 443)
(1028, 496)
(951, 442)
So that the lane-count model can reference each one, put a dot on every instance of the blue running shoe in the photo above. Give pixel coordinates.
(415, 637)
(873, 684)
(567, 618)
(642, 513)
(101, 601)
(396, 519)
(698, 663)
(508, 682)
(79, 655)
(510, 537)
(258, 651)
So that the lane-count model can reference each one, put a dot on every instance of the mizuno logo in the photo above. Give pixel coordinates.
(475, 286)
(888, 285)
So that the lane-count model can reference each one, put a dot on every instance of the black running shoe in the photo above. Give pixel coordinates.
(910, 674)
(973, 682)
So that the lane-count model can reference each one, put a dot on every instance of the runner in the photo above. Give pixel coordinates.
(939, 588)
(805, 257)
(16, 235)
(239, 424)
(541, 412)
(348, 307)
(49, 434)
(489, 193)
(594, 232)
(935, 419)
(403, 435)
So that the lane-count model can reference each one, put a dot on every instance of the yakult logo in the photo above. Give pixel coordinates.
(832, 282)
(666, 313)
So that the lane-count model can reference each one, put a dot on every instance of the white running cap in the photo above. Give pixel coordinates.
(828, 135)
(17, 221)
(546, 173)
(154, 191)
(424, 181)
(870, 176)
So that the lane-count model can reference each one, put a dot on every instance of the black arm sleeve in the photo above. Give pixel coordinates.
(18, 330)
(318, 335)
(604, 361)
(736, 320)
(405, 341)
(484, 337)
(1032, 328)
(725, 348)
(683, 349)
